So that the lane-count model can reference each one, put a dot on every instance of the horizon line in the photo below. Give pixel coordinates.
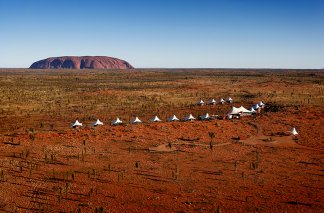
(229, 68)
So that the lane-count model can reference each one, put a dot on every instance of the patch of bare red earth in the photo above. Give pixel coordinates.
(114, 169)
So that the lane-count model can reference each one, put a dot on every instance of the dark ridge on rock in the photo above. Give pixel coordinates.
(82, 62)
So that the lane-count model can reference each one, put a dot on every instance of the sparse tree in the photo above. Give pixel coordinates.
(212, 136)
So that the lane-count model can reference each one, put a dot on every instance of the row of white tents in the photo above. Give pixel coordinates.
(240, 111)
(117, 121)
(212, 101)
(136, 120)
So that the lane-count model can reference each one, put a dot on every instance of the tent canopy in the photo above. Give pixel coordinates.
(244, 110)
(189, 118)
(252, 110)
(116, 121)
(234, 111)
(256, 106)
(229, 99)
(240, 110)
(155, 119)
(212, 101)
(205, 117)
(200, 102)
(76, 123)
(98, 122)
(293, 131)
(173, 118)
(136, 120)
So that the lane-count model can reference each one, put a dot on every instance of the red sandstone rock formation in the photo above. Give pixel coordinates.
(83, 62)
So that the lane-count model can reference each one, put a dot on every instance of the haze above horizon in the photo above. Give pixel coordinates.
(166, 33)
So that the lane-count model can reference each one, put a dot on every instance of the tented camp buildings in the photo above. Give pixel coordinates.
(200, 102)
(253, 111)
(173, 118)
(256, 106)
(261, 104)
(189, 118)
(97, 123)
(205, 117)
(76, 124)
(241, 111)
(234, 111)
(212, 102)
(229, 100)
(155, 119)
(136, 120)
(244, 111)
(117, 121)
(221, 101)
(293, 131)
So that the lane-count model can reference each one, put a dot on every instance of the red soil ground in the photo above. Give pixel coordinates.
(119, 168)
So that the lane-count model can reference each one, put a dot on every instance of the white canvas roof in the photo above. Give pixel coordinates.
(261, 104)
(189, 118)
(98, 122)
(239, 110)
(293, 131)
(205, 117)
(234, 111)
(221, 100)
(244, 110)
(116, 121)
(155, 119)
(256, 106)
(173, 118)
(136, 120)
(252, 110)
(201, 102)
(212, 101)
(228, 99)
(76, 123)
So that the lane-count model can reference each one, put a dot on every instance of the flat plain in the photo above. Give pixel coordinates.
(251, 164)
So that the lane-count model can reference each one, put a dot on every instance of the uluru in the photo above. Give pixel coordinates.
(81, 62)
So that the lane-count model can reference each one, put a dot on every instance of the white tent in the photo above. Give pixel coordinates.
(173, 118)
(212, 101)
(98, 122)
(155, 119)
(234, 111)
(189, 118)
(201, 102)
(205, 117)
(221, 101)
(229, 100)
(76, 124)
(261, 104)
(252, 110)
(256, 106)
(239, 111)
(245, 111)
(116, 121)
(136, 120)
(293, 131)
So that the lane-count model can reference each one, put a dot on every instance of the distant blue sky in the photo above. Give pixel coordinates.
(166, 33)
